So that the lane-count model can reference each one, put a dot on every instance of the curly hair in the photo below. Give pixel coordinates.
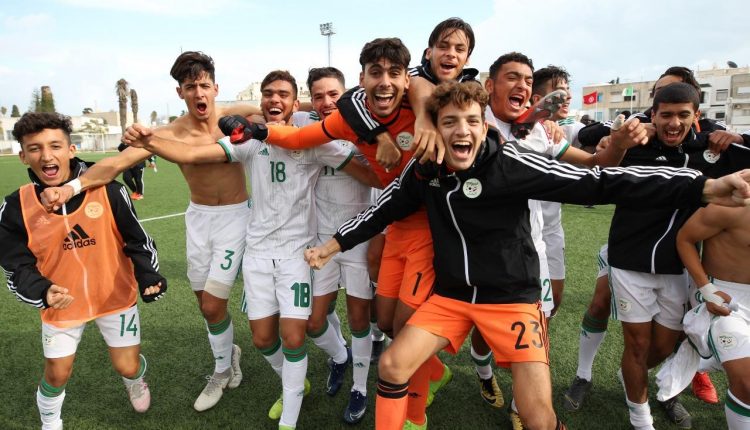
(34, 122)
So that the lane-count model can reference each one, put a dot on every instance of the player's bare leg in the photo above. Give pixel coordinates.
(131, 365)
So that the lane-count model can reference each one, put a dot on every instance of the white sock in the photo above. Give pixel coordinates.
(588, 346)
(737, 412)
(293, 381)
(329, 342)
(50, 409)
(640, 415)
(275, 357)
(377, 334)
(221, 338)
(513, 405)
(335, 323)
(482, 363)
(142, 365)
(361, 352)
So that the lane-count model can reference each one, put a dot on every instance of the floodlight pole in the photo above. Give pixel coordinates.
(326, 30)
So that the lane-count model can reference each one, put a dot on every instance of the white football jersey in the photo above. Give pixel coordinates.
(338, 196)
(282, 220)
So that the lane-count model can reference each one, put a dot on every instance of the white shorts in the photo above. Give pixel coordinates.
(603, 261)
(548, 301)
(215, 243)
(641, 297)
(277, 286)
(348, 269)
(730, 335)
(118, 330)
(554, 239)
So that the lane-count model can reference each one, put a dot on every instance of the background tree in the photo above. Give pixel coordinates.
(134, 104)
(36, 101)
(154, 117)
(3, 110)
(47, 101)
(87, 110)
(122, 101)
(14, 112)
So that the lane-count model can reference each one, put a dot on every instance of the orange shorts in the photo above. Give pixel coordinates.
(516, 332)
(406, 269)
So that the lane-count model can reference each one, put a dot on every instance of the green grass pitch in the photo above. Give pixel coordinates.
(175, 344)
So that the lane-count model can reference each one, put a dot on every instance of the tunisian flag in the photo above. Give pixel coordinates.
(589, 99)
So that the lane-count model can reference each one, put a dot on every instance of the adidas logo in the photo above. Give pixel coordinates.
(661, 158)
(263, 151)
(435, 183)
(77, 238)
(359, 364)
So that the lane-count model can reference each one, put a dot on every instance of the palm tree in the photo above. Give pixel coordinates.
(134, 104)
(122, 100)
(154, 116)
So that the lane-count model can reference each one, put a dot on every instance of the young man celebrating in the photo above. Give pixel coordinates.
(85, 262)
(215, 220)
(475, 202)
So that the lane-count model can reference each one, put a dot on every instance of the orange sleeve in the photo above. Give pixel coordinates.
(332, 128)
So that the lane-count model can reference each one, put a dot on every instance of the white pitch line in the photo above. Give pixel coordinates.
(162, 217)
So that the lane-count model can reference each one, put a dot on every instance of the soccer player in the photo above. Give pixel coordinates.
(85, 262)
(278, 284)
(133, 177)
(487, 273)
(215, 219)
(509, 86)
(723, 278)
(338, 197)
(406, 274)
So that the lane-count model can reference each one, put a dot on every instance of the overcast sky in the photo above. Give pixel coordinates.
(82, 47)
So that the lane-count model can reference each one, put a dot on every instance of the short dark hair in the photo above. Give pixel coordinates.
(677, 92)
(448, 27)
(461, 94)
(318, 73)
(191, 65)
(550, 73)
(280, 75)
(389, 48)
(510, 57)
(34, 122)
(681, 72)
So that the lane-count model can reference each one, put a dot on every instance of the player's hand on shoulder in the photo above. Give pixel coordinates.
(137, 136)
(54, 197)
(58, 297)
(154, 292)
(627, 134)
(388, 154)
(428, 144)
(554, 131)
(719, 140)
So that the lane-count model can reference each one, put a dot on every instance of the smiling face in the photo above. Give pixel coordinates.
(48, 154)
(449, 55)
(325, 92)
(673, 121)
(277, 101)
(510, 91)
(384, 83)
(199, 95)
(463, 130)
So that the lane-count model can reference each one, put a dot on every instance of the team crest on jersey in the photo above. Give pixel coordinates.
(94, 210)
(435, 182)
(624, 305)
(710, 156)
(404, 140)
(727, 341)
(296, 154)
(48, 340)
(472, 188)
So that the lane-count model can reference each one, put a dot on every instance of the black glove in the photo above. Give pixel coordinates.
(240, 130)
(148, 298)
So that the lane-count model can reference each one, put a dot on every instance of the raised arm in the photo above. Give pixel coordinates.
(174, 150)
(428, 144)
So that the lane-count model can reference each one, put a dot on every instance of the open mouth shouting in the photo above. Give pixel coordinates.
(50, 171)
(202, 108)
(383, 100)
(673, 137)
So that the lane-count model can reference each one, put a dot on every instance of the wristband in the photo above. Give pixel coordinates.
(708, 292)
(76, 185)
